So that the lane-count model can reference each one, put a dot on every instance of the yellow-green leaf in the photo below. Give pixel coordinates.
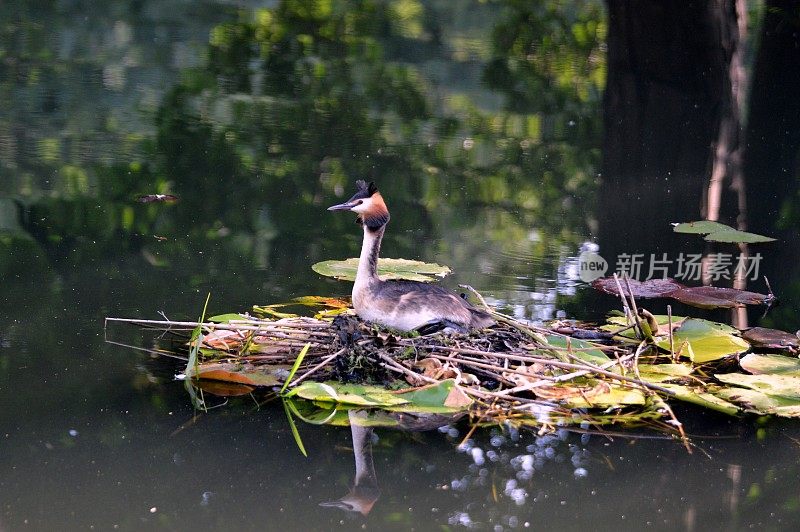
(411, 270)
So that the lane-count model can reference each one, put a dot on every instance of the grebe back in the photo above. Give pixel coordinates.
(402, 305)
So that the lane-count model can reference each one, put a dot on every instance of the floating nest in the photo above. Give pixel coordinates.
(624, 372)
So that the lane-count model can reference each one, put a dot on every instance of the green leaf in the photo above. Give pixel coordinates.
(197, 338)
(702, 227)
(617, 396)
(293, 428)
(440, 398)
(664, 372)
(316, 413)
(717, 232)
(770, 364)
(412, 270)
(701, 397)
(347, 394)
(225, 318)
(703, 341)
(787, 386)
(299, 360)
(591, 355)
(734, 236)
(761, 403)
(444, 397)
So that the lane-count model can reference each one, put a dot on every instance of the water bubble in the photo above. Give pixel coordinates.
(510, 485)
(524, 475)
(477, 456)
(518, 495)
(526, 462)
(73, 432)
(205, 498)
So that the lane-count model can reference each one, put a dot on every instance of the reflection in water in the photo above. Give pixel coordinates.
(365, 490)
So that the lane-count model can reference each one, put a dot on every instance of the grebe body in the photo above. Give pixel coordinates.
(402, 305)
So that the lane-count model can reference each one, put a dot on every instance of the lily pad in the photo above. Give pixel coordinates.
(614, 396)
(771, 338)
(644, 289)
(707, 297)
(347, 394)
(701, 227)
(411, 270)
(718, 297)
(717, 232)
(703, 341)
(735, 237)
(761, 403)
(656, 373)
(701, 397)
(318, 413)
(442, 397)
(787, 386)
(758, 364)
(581, 348)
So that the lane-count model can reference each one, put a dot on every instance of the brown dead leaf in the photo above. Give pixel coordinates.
(429, 366)
(237, 373)
(457, 398)
(560, 393)
(224, 389)
(223, 339)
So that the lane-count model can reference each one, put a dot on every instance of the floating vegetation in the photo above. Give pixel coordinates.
(717, 232)
(707, 297)
(388, 269)
(625, 372)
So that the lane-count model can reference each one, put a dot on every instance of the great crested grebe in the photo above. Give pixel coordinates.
(402, 305)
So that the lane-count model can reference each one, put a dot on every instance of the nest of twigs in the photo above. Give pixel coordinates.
(512, 370)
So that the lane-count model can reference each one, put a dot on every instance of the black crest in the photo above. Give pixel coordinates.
(364, 190)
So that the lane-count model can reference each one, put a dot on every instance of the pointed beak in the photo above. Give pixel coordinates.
(342, 207)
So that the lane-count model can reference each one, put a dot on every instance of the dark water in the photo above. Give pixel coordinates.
(258, 116)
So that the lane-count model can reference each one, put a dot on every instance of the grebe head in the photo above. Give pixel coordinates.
(368, 203)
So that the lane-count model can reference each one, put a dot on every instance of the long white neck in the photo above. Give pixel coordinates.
(368, 261)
